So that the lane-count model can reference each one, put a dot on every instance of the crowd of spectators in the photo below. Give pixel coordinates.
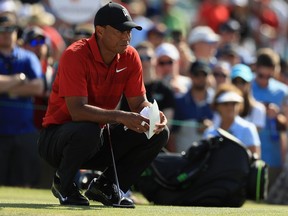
(209, 64)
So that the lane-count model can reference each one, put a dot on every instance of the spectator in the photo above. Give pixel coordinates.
(228, 104)
(82, 30)
(203, 42)
(35, 40)
(137, 10)
(283, 76)
(253, 111)
(167, 69)
(212, 13)
(20, 80)
(155, 89)
(272, 93)
(230, 32)
(45, 20)
(221, 73)
(231, 39)
(174, 17)
(192, 113)
(229, 53)
(186, 57)
(157, 34)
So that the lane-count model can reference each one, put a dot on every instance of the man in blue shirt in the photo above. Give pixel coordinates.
(192, 110)
(20, 79)
(272, 93)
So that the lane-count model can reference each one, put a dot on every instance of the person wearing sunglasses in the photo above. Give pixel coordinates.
(253, 110)
(221, 73)
(192, 110)
(269, 91)
(167, 68)
(35, 40)
(155, 88)
(20, 81)
(228, 103)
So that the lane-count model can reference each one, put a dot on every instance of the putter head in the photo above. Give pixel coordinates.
(124, 202)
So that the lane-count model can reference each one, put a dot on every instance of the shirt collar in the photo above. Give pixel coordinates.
(95, 49)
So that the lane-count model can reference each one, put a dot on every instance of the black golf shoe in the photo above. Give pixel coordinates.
(107, 193)
(73, 197)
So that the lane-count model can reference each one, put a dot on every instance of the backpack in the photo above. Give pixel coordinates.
(212, 172)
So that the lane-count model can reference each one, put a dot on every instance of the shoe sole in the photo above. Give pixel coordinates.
(123, 206)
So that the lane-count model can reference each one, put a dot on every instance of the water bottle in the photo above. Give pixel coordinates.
(274, 133)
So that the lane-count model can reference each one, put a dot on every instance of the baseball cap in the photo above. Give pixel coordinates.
(202, 33)
(243, 71)
(228, 50)
(33, 32)
(115, 15)
(229, 96)
(7, 19)
(199, 66)
(230, 26)
(167, 49)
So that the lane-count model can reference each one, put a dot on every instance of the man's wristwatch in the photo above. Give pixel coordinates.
(22, 77)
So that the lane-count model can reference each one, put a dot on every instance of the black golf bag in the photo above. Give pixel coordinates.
(212, 172)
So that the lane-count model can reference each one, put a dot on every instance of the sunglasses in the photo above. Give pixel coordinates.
(262, 76)
(163, 63)
(145, 58)
(239, 81)
(219, 74)
(228, 103)
(9, 29)
(35, 42)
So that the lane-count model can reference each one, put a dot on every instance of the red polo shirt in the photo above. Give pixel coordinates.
(83, 73)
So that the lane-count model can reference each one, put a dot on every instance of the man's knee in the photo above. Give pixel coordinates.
(163, 136)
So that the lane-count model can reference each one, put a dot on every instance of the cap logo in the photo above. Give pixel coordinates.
(125, 12)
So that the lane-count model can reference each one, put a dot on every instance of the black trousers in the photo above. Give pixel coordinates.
(81, 145)
(19, 161)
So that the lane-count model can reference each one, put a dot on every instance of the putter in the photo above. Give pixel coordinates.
(118, 205)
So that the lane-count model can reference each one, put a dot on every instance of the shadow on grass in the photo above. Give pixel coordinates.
(50, 206)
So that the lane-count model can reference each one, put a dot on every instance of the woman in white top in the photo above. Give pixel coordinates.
(253, 111)
(228, 103)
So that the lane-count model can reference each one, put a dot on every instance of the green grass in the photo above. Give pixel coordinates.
(21, 201)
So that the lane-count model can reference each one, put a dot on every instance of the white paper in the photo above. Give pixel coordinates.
(152, 113)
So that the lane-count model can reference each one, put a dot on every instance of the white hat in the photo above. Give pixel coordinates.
(202, 33)
(167, 49)
(7, 6)
(240, 3)
(229, 97)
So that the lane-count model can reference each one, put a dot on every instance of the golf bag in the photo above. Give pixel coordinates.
(211, 172)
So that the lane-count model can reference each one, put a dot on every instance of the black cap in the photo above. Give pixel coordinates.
(228, 50)
(230, 26)
(115, 15)
(33, 32)
(200, 66)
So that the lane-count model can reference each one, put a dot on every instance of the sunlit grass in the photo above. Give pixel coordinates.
(21, 201)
